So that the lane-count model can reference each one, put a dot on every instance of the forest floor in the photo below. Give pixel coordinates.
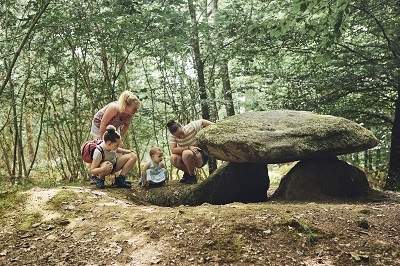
(84, 226)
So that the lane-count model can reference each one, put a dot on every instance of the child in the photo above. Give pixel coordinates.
(106, 162)
(154, 173)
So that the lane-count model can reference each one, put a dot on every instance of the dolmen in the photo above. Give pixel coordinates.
(250, 141)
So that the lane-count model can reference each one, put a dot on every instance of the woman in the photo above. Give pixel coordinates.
(119, 114)
(106, 160)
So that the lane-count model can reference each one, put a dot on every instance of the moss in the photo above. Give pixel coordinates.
(283, 136)
(312, 234)
(26, 220)
(226, 245)
(9, 201)
(231, 182)
(61, 197)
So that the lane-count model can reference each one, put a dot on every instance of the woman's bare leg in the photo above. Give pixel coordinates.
(189, 159)
(198, 160)
(125, 163)
(177, 161)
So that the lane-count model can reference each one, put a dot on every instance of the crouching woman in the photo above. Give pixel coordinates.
(106, 161)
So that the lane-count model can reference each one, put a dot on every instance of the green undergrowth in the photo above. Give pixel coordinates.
(9, 201)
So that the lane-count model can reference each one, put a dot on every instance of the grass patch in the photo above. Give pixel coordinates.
(312, 234)
(28, 219)
(10, 201)
(61, 197)
(227, 246)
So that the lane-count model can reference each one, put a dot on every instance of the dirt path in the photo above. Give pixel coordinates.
(80, 226)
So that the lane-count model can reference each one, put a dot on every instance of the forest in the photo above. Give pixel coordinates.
(62, 61)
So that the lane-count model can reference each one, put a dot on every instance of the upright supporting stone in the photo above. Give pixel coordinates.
(322, 179)
(243, 182)
(232, 182)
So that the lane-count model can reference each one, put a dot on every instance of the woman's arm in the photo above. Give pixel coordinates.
(123, 151)
(206, 123)
(110, 112)
(96, 169)
(125, 127)
(177, 150)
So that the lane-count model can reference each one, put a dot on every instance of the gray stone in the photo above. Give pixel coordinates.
(231, 182)
(283, 136)
(323, 179)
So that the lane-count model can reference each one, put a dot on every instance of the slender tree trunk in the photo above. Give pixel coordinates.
(29, 136)
(6, 154)
(21, 152)
(35, 20)
(107, 80)
(16, 132)
(38, 137)
(153, 116)
(227, 89)
(137, 149)
(199, 65)
(393, 180)
(224, 69)
(371, 160)
(366, 160)
(378, 159)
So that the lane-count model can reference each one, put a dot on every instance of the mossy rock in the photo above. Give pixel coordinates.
(324, 179)
(232, 182)
(283, 136)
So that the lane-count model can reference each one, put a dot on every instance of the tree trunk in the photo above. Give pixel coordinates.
(393, 180)
(21, 152)
(224, 69)
(29, 136)
(366, 155)
(16, 131)
(378, 159)
(39, 137)
(227, 89)
(199, 65)
(107, 80)
(24, 41)
(153, 116)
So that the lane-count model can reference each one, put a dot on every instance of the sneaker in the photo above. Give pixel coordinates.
(184, 178)
(192, 179)
(121, 182)
(93, 179)
(100, 183)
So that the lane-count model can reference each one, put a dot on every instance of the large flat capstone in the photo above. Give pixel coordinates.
(283, 136)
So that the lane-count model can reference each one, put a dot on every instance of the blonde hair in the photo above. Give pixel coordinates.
(127, 98)
(154, 150)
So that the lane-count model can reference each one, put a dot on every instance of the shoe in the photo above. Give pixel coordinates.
(120, 181)
(192, 179)
(189, 179)
(93, 179)
(184, 178)
(100, 183)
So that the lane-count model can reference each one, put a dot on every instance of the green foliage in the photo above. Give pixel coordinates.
(334, 57)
